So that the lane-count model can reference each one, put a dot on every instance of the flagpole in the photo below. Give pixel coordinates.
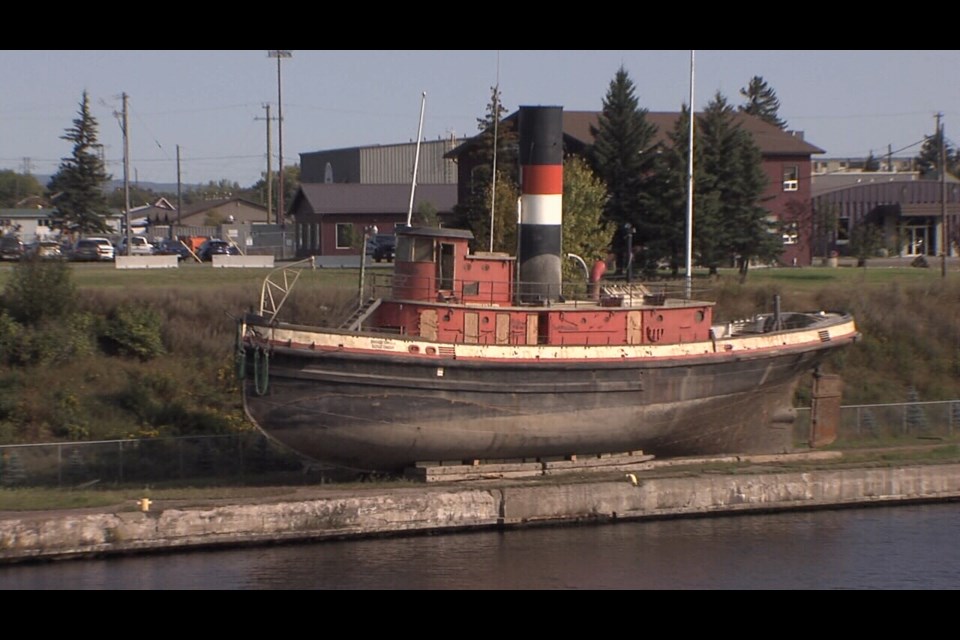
(688, 283)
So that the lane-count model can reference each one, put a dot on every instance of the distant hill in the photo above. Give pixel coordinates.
(156, 187)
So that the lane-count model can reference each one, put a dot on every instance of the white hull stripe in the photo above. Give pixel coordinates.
(743, 346)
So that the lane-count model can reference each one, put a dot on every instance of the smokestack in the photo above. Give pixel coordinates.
(541, 203)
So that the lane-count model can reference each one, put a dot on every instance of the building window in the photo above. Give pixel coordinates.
(344, 235)
(790, 233)
(843, 230)
(791, 177)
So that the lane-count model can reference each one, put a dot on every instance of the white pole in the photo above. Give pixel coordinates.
(126, 172)
(689, 272)
(416, 160)
(496, 123)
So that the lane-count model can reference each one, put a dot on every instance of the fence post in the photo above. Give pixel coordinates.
(120, 460)
(59, 466)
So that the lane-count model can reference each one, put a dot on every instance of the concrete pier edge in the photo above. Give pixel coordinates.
(338, 514)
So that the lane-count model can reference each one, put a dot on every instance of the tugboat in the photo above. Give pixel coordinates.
(485, 357)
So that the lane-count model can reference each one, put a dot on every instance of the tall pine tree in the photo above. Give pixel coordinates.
(669, 209)
(762, 102)
(730, 223)
(621, 158)
(928, 160)
(78, 184)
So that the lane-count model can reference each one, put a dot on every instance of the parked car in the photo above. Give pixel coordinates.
(93, 250)
(384, 246)
(46, 250)
(11, 248)
(172, 248)
(215, 246)
(139, 246)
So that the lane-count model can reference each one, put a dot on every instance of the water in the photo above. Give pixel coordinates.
(903, 547)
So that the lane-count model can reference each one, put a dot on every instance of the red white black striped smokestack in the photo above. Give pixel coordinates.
(541, 202)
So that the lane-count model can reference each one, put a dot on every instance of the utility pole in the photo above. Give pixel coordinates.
(280, 54)
(126, 170)
(266, 106)
(944, 238)
(179, 190)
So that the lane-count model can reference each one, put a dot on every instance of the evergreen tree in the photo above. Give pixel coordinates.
(669, 207)
(871, 163)
(928, 160)
(78, 184)
(762, 101)
(586, 232)
(621, 157)
(730, 223)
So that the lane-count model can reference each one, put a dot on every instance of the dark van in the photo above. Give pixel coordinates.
(11, 248)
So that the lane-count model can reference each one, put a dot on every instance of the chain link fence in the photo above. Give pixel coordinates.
(937, 420)
(247, 458)
(251, 458)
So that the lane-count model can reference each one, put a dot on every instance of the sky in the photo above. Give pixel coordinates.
(210, 103)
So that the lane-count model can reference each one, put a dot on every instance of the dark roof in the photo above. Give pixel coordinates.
(903, 192)
(340, 197)
(770, 139)
(206, 205)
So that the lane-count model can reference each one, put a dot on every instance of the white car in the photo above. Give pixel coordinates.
(139, 246)
(95, 249)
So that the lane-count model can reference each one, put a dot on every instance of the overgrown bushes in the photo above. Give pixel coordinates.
(157, 360)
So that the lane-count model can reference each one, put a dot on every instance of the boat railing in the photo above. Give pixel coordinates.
(278, 284)
(612, 294)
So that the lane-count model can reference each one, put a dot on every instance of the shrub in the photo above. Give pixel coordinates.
(133, 331)
(38, 290)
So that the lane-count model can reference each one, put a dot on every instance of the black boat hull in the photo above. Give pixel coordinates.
(387, 412)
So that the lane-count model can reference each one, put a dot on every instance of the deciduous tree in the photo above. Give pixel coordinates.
(14, 187)
(586, 232)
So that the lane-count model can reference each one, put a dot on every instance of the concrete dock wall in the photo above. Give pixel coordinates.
(331, 514)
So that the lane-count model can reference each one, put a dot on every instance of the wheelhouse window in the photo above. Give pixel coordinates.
(445, 267)
(414, 249)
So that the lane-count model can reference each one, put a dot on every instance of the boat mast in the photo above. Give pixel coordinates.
(688, 280)
(416, 159)
(496, 122)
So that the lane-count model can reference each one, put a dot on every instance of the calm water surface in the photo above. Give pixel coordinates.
(905, 547)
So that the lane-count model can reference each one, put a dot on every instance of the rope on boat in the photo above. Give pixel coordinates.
(241, 355)
(261, 370)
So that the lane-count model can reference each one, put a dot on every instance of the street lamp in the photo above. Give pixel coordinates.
(280, 54)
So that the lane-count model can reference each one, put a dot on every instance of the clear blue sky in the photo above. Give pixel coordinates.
(210, 103)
